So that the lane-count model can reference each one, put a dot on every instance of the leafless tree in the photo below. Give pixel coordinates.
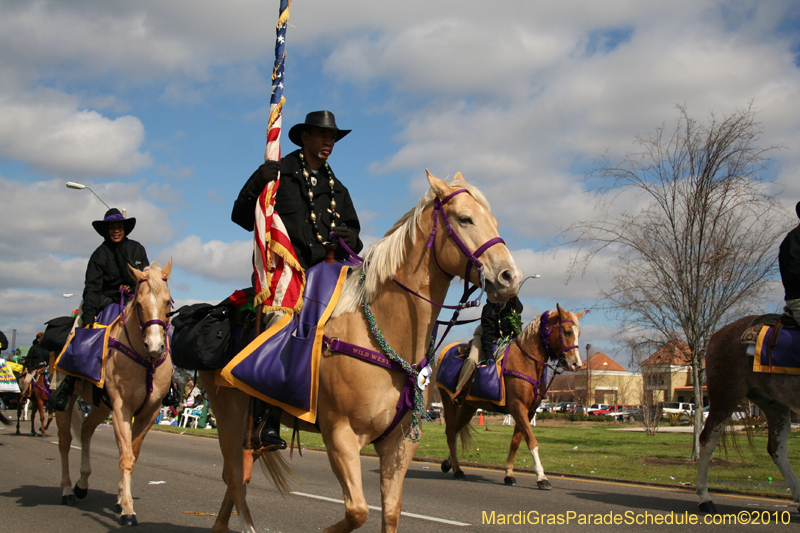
(699, 246)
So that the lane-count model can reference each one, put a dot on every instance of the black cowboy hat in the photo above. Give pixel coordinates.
(113, 215)
(316, 119)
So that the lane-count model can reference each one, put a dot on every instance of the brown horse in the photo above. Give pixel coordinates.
(358, 400)
(730, 378)
(138, 373)
(550, 340)
(36, 390)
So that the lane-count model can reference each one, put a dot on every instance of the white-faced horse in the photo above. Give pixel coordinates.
(551, 340)
(358, 401)
(138, 373)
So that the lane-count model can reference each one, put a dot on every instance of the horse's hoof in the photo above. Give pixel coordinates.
(446, 465)
(510, 481)
(118, 508)
(128, 520)
(544, 485)
(79, 492)
(68, 500)
(459, 475)
(708, 507)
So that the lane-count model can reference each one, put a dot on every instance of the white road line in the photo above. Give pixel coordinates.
(376, 508)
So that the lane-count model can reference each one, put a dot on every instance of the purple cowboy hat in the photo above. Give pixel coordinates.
(113, 215)
(316, 119)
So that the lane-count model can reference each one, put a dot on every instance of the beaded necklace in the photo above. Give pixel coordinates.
(310, 185)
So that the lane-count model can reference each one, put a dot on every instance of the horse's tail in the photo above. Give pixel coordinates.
(466, 438)
(277, 469)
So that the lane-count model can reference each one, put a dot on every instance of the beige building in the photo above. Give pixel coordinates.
(599, 380)
(667, 374)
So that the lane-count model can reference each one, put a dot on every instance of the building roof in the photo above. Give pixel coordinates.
(672, 353)
(601, 361)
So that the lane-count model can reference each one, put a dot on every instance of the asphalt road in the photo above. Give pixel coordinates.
(177, 487)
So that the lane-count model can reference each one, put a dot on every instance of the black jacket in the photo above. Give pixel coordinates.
(496, 323)
(107, 270)
(789, 262)
(293, 206)
(36, 356)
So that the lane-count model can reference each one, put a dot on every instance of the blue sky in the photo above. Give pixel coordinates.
(161, 108)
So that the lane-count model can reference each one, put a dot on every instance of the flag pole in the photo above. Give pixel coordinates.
(272, 152)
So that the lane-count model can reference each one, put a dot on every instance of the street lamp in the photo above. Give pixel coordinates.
(79, 186)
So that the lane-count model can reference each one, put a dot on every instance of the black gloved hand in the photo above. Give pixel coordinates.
(266, 173)
(347, 235)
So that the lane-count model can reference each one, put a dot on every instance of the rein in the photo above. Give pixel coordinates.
(418, 374)
(149, 366)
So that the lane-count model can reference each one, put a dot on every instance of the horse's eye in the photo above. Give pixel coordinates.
(567, 333)
(465, 220)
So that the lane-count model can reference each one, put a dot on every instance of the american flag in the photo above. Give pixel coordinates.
(279, 277)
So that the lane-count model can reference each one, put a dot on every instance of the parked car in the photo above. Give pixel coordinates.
(679, 408)
(596, 407)
(432, 413)
(569, 407)
(609, 410)
(543, 407)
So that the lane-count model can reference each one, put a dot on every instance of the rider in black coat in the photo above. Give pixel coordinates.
(106, 272)
(37, 356)
(310, 209)
(107, 269)
(789, 262)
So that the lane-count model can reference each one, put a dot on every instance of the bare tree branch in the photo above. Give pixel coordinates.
(699, 244)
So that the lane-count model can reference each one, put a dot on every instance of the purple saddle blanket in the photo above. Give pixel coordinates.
(280, 365)
(487, 383)
(85, 353)
(785, 353)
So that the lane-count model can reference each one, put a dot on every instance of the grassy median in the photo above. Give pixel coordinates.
(601, 450)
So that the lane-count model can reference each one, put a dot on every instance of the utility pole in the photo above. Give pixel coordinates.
(13, 341)
(589, 401)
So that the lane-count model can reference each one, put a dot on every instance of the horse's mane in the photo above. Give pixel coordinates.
(383, 258)
(532, 328)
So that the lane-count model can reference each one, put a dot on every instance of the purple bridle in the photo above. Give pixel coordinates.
(553, 358)
(149, 366)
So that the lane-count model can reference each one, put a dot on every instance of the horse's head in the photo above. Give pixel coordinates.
(475, 246)
(564, 337)
(152, 303)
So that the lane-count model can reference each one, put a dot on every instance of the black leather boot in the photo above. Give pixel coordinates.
(267, 426)
(60, 398)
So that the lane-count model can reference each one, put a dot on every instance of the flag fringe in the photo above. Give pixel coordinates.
(284, 18)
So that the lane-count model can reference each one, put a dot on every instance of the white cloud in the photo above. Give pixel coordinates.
(48, 132)
(215, 260)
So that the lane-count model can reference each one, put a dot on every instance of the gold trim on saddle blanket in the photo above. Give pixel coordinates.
(102, 381)
(498, 365)
(439, 364)
(758, 367)
(309, 416)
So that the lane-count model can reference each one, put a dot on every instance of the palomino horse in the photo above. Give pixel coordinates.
(549, 341)
(730, 378)
(138, 373)
(35, 389)
(358, 401)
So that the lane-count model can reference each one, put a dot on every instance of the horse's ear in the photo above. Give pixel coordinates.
(167, 270)
(580, 315)
(558, 308)
(137, 274)
(439, 188)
